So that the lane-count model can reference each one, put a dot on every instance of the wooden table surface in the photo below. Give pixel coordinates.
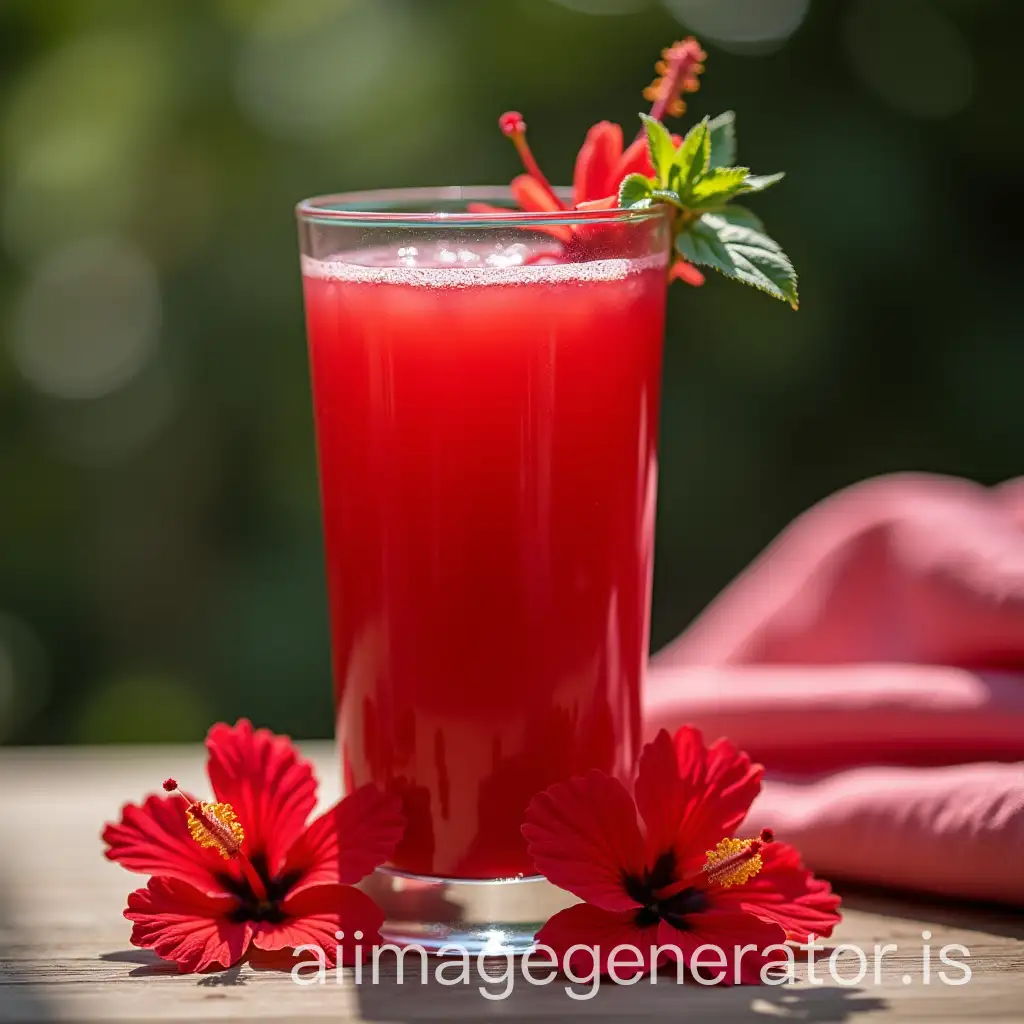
(65, 955)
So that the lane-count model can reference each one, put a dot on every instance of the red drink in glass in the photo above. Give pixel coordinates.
(487, 454)
(486, 406)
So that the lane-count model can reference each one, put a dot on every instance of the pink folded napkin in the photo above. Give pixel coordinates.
(873, 659)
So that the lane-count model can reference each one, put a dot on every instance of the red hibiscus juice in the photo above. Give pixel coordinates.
(487, 444)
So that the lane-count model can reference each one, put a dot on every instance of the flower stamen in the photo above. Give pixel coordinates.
(216, 826)
(513, 126)
(677, 70)
(735, 861)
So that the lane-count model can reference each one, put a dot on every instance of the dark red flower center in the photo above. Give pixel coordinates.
(253, 906)
(672, 910)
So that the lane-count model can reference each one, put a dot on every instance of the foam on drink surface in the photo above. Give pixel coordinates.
(451, 265)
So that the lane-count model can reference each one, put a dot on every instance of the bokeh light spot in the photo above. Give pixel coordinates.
(160, 709)
(603, 6)
(911, 55)
(307, 68)
(88, 319)
(74, 134)
(743, 26)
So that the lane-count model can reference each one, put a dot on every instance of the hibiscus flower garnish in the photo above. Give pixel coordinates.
(693, 176)
(244, 872)
(662, 871)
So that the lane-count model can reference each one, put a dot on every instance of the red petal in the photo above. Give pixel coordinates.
(271, 790)
(720, 784)
(485, 208)
(600, 152)
(683, 271)
(153, 839)
(314, 916)
(607, 203)
(347, 841)
(562, 232)
(635, 160)
(532, 196)
(585, 925)
(728, 931)
(662, 797)
(181, 923)
(584, 836)
(785, 892)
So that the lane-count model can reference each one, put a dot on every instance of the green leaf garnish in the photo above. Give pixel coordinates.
(691, 159)
(698, 180)
(635, 191)
(741, 253)
(736, 214)
(718, 186)
(666, 195)
(722, 130)
(661, 148)
(759, 182)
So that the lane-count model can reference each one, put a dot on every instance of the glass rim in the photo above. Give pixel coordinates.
(390, 207)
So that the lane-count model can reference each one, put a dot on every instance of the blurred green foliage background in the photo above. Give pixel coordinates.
(160, 552)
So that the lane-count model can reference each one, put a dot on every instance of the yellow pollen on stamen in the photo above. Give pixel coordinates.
(733, 861)
(216, 826)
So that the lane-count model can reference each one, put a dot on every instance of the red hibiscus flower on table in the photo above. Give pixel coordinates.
(245, 872)
(663, 869)
(604, 159)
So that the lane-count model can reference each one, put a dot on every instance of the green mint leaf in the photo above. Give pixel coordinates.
(667, 195)
(635, 189)
(740, 215)
(741, 253)
(660, 146)
(718, 186)
(759, 182)
(691, 159)
(722, 130)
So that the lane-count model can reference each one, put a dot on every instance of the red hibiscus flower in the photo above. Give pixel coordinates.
(675, 877)
(245, 870)
(601, 164)
(603, 160)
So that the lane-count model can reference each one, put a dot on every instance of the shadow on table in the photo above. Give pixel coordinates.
(19, 998)
(411, 1000)
(990, 918)
(149, 965)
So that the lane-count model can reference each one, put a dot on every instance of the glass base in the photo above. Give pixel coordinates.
(490, 917)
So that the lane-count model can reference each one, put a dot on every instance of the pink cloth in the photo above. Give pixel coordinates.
(873, 659)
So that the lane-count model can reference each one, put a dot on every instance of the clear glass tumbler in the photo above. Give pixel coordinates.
(486, 388)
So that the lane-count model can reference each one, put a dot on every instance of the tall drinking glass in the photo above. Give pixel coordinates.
(486, 389)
